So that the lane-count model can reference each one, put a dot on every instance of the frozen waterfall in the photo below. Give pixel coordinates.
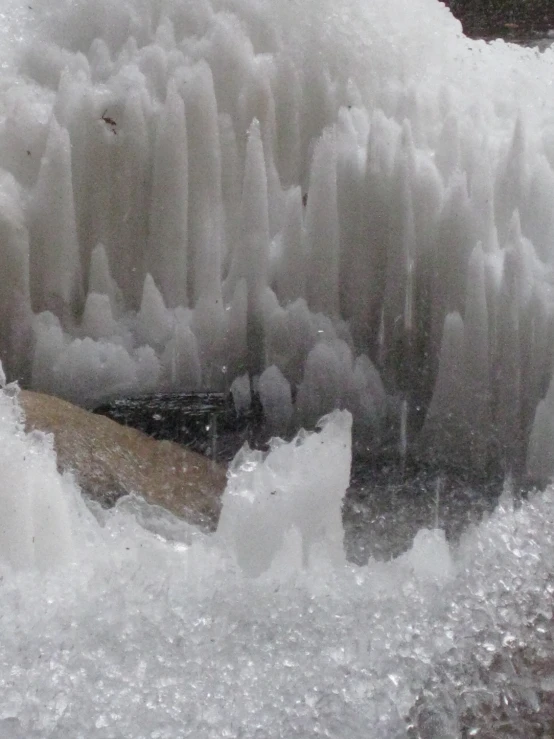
(338, 203)
(351, 197)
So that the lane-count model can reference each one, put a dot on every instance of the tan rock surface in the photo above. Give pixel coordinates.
(110, 460)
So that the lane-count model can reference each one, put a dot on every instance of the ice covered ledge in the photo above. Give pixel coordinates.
(351, 202)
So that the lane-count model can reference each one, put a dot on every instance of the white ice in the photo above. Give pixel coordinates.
(131, 623)
(351, 200)
(194, 190)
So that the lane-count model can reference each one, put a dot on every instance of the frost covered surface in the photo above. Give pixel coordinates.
(146, 627)
(350, 196)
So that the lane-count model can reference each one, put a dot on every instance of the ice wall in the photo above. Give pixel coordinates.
(350, 196)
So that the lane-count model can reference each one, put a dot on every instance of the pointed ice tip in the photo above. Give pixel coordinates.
(506, 500)
(339, 419)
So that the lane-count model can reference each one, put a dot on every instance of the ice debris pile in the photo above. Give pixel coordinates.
(348, 195)
(148, 627)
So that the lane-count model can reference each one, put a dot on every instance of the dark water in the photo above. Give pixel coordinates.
(385, 508)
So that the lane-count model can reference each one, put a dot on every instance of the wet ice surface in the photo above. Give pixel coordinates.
(156, 632)
(131, 623)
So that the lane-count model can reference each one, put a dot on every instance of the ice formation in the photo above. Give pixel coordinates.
(140, 625)
(296, 491)
(35, 502)
(352, 204)
(349, 194)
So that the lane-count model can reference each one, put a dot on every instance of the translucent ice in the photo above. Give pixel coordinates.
(132, 623)
(35, 502)
(296, 487)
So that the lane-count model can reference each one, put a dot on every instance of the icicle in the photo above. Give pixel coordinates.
(355, 264)
(371, 396)
(166, 258)
(440, 438)
(508, 367)
(538, 217)
(230, 187)
(291, 275)
(181, 358)
(540, 455)
(377, 212)
(153, 321)
(99, 196)
(231, 58)
(400, 255)
(165, 34)
(536, 358)
(427, 198)
(100, 279)
(257, 104)
(15, 301)
(322, 228)
(455, 242)
(483, 199)
(97, 321)
(48, 347)
(290, 334)
(152, 61)
(476, 380)
(321, 386)
(205, 212)
(403, 435)
(319, 115)
(54, 259)
(236, 334)
(448, 156)
(288, 95)
(251, 259)
(133, 178)
(100, 60)
(328, 381)
(512, 180)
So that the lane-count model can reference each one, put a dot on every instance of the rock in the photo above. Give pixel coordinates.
(109, 460)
